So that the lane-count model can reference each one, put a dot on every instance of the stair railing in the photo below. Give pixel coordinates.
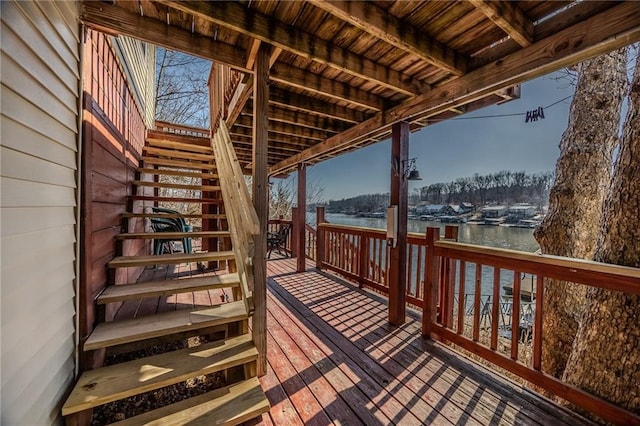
(241, 215)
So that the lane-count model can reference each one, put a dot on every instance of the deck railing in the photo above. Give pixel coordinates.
(454, 267)
(466, 299)
(181, 129)
(362, 255)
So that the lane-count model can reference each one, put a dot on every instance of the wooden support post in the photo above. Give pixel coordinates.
(293, 235)
(430, 290)
(301, 218)
(320, 240)
(260, 201)
(399, 197)
(446, 309)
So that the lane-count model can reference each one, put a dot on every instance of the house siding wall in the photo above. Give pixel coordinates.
(38, 176)
(114, 135)
(139, 62)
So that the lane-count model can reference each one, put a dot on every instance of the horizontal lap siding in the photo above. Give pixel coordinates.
(114, 133)
(40, 71)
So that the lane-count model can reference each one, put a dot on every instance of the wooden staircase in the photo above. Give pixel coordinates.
(242, 398)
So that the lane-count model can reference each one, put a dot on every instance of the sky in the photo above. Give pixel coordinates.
(459, 147)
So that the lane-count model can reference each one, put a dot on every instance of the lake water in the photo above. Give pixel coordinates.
(492, 236)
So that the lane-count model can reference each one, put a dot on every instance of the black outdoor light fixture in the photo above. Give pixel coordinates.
(408, 171)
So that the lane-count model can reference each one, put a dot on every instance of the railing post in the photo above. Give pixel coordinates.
(363, 248)
(430, 289)
(301, 218)
(446, 308)
(320, 240)
(294, 232)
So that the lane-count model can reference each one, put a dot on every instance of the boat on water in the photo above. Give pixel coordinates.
(526, 223)
(527, 288)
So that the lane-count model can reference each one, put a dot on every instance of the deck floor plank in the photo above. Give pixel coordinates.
(354, 318)
(334, 359)
(321, 376)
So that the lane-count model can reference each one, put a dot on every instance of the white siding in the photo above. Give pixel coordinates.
(139, 62)
(38, 172)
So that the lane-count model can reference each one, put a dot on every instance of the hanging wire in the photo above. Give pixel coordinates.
(515, 114)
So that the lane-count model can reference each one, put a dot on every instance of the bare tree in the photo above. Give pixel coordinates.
(182, 95)
(571, 227)
(605, 359)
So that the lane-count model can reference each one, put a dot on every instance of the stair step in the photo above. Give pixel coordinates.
(114, 333)
(164, 143)
(230, 405)
(176, 185)
(174, 172)
(177, 154)
(118, 381)
(194, 165)
(171, 235)
(169, 259)
(175, 216)
(120, 293)
(177, 200)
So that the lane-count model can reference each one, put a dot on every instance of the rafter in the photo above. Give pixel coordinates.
(115, 20)
(379, 23)
(508, 16)
(253, 24)
(314, 106)
(616, 27)
(246, 121)
(305, 80)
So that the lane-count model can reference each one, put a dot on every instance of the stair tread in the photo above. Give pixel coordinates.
(230, 405)
(170, 172)
(177, 199)
(119, 293)
(165, 143)
(180, 164)
(169, 215)
(171, 185)
(114, 333)
(177, 154)
(169, 259)
(118, 381)
(171, 235)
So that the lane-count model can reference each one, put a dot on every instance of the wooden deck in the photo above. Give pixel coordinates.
(333, 359)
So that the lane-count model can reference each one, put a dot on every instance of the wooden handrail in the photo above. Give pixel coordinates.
(242, 217)
(602, 275)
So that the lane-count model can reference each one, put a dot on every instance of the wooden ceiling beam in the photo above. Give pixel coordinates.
(256, 25)
(245, 134)
(614, 28)
(379, 23)
(316, 84)
(310, 105)
(245, 90)
(246, 121)
(304, 119)
(508, 16)
(115, 20)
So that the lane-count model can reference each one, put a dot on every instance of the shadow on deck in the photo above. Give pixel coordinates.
(333, 358)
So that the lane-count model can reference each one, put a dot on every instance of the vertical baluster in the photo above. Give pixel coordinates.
(537, 328)
(419, 273)
(409, 268)
(379, 260)
(495, 309)
(461, 298)
(476, 303)
(515, 316)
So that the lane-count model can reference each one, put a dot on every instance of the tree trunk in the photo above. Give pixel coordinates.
(571, 226)
(605, 359)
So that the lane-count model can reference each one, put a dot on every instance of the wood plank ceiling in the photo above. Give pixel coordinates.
(343, 71)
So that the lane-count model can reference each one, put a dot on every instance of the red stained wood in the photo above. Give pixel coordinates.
(349, 327)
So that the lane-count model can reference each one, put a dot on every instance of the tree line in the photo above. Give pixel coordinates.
(502, 187)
